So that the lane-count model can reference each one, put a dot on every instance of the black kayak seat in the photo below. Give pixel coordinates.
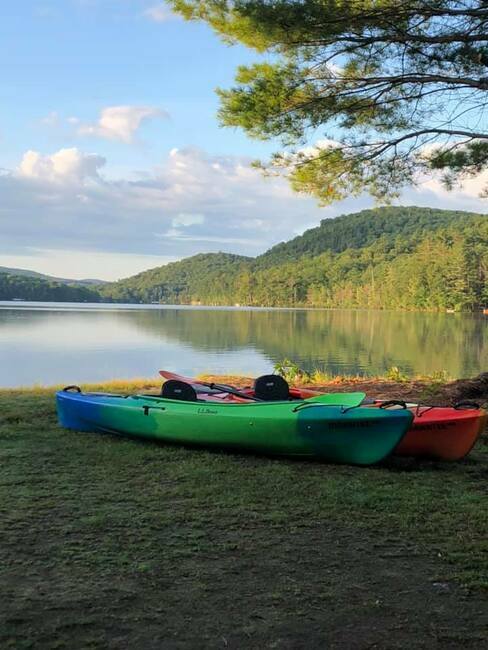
(271, 388)
(175, 389)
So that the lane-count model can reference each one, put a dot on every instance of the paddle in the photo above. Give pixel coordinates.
(200, 386)
(331, 399)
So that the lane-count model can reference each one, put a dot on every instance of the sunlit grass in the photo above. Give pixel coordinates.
(112, 385)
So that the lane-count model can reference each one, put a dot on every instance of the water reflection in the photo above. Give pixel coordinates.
(50, 343)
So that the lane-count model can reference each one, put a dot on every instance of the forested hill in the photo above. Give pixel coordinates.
(363, 229)
(391, 258)
(49, 278)
(27, 287)
(387, 258)
(211, 276)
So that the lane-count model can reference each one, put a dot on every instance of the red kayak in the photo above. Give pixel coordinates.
(438, 432)
(443, 433)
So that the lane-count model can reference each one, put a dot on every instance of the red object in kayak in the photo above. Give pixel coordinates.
(437, 432)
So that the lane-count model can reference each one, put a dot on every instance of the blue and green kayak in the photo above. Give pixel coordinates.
(335, 429)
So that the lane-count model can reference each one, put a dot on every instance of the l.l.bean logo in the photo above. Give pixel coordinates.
(206, 411)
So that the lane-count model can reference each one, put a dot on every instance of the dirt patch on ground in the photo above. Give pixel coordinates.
(469, 389)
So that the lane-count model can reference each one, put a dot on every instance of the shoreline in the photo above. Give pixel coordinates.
(38, 304)
(438, 390)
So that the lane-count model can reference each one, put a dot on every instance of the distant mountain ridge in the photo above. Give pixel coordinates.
(34, 274)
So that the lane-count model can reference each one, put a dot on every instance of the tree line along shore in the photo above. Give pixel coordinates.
(387, 258)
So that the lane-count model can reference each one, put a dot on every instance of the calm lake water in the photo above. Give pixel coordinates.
(69, 343)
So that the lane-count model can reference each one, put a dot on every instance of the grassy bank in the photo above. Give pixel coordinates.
(114, 543)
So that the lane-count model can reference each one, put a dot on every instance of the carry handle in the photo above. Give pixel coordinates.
(393, 402)
(146, 407)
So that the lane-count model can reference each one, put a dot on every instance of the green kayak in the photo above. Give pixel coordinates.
(335, 432)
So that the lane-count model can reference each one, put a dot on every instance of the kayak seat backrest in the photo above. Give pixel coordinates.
(271, 388)
(175, 389)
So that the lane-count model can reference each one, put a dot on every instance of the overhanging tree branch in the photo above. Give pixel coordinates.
(411, 74)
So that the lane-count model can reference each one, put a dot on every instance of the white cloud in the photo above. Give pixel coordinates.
(319, 146)
(120, 122)
(336, 69)
(469, 187)
(80, 265)
(193, 202)
(177, 235)
(64, 166)
(310, 151)
(185, 220)
(160, 13)
(52, 119)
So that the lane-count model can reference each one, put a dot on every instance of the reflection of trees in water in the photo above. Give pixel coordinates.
(336, 340)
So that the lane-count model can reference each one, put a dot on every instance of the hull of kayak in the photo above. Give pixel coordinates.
(442, 433)
(439, 433)
(361, 436)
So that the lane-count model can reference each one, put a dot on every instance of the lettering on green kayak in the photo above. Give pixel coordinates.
(351, 424)
(206, 411)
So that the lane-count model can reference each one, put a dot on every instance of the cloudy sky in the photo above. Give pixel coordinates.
(111, 157)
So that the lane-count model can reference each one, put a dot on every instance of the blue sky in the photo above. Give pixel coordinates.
(72, 58)
(111, 157)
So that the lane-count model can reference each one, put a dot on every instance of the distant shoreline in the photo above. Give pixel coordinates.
(47, 304)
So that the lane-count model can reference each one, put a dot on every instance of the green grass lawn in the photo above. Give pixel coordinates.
(114, 543)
